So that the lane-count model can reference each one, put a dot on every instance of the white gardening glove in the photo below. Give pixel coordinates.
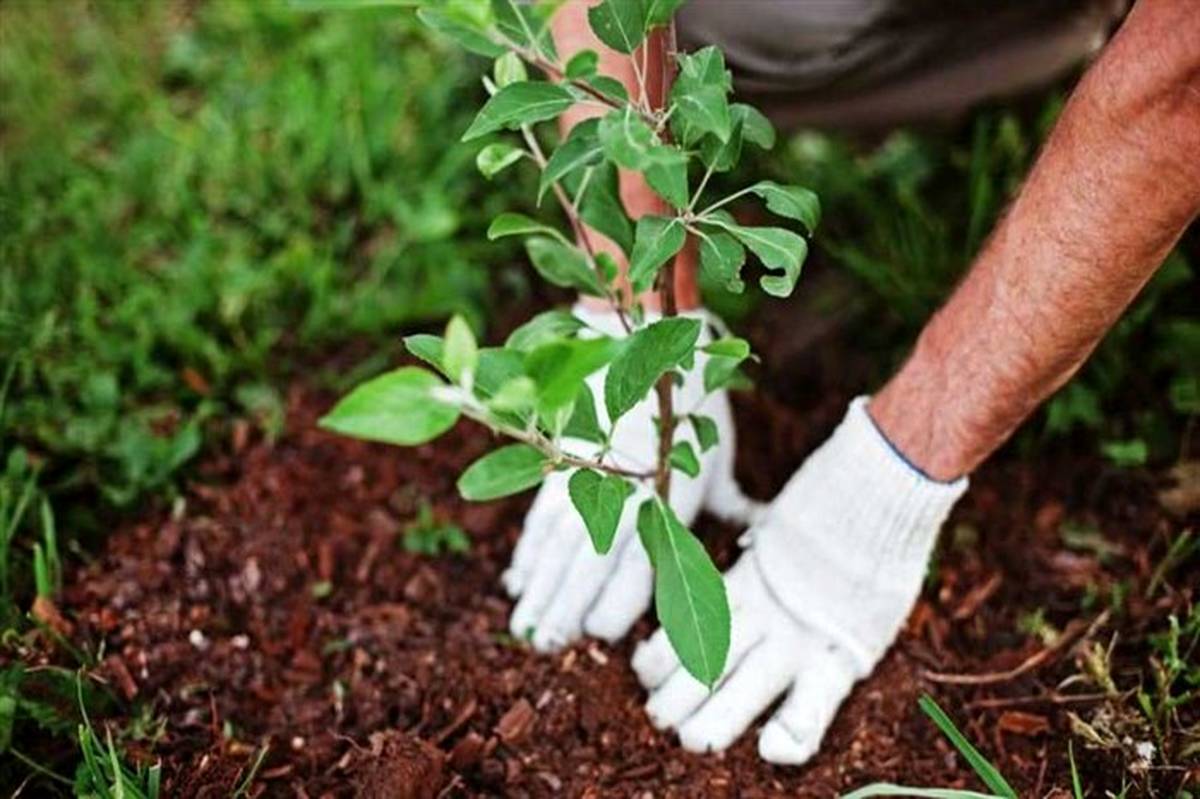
(565, 588)
(832, 571)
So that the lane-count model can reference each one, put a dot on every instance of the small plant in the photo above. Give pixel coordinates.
(427, 535)
(532, 389)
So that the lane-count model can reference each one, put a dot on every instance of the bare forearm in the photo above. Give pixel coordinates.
(1116, 185)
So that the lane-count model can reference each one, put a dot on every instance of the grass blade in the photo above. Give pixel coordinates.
(987, 772)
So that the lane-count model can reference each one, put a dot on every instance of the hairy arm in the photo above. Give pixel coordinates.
(1112, 191)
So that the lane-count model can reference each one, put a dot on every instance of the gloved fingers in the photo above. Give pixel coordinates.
(545, 578)
(654, 660)
(759, 679)
(625, 597)
(551, 503)
(583, 581)
(681, 694)
(824, 680)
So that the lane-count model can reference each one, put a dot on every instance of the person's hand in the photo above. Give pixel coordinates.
(830, 575)
(565, 589)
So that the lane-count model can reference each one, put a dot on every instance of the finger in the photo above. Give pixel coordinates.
(682, 694)
(759, 680)
(585, 577)
(546, 575)
(654, 660)
(540, 523)
(794, 733)
(625, 597)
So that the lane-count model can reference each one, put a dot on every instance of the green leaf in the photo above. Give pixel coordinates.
(703, 109)
(621, 24)
(706, 431)
(721, 259)
(599, 500)
(728, 347)
(398, 407)
(1126, 454)
(512, 224)
(659, 12)
(462, 30)
(582, 65)
(987, 772)
(683, 458)
(610, 87)
(778, 248)
(496, 365)
(580, 149)
(627, 139)
(793, 202)
(426, 347)
(756, 128)
(460, 353)
(546, 326)
(657, 240)
(497, 157)
(647, 354)
(502, 472)
(601, 207)
(722, 371)
(667, 175)
(509, 69)
(583, 423)
(689, 594)
(521, 23)
(562, 265)
(560, 367)
(520, 104)
(518, 395)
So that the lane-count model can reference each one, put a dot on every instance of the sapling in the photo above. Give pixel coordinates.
(532, 389)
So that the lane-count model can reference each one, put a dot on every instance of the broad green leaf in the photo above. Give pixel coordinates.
(398, 407)
(621, 24)
(987, 772)
(601, 206)
(512, 224)
(657, 240)
(778, 248)
(683, 458)
(508, 470)
(560, 367)
(582, 65)
(793, 202)
(497, 365)
(522, 23)
(756, 128)
(627, 139)
(659, 12)
(509, 69)
(705, 67)
(583, 423)
(599, 500)
(721, 370)
(667, 175)
(426, 347)
(728, 347)
(610, 87)
(689, 594)
(519, 104)
(518, 395)
(497, 157)
(562, 265)
(546, 326)
(462, 30)
(460, 353)
(609, 268)
(703, 109)
(721, 259)
(647, 354)
(580, 149)
(706, 431)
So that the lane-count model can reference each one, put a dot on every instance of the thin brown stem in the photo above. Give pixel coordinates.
(556, 73)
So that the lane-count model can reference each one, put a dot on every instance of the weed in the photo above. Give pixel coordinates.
(426, 535)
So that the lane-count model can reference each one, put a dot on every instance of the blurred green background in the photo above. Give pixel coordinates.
(200, 199)
(203, 201)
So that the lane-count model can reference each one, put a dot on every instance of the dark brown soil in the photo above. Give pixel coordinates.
(276, 606)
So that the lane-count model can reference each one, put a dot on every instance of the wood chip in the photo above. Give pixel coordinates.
(1021, 723)
(468, 751)
(45, 611)
(516, 723)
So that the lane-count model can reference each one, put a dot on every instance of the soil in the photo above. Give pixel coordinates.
(275, 605)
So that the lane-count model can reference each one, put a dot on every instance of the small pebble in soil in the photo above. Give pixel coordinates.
(198, 640)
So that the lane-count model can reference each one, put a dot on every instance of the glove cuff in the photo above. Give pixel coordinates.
(856, 516)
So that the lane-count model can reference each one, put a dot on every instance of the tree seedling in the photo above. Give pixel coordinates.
(532, 389)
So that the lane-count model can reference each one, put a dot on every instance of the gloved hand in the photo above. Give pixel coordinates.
(831, 573)
(565, 588)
